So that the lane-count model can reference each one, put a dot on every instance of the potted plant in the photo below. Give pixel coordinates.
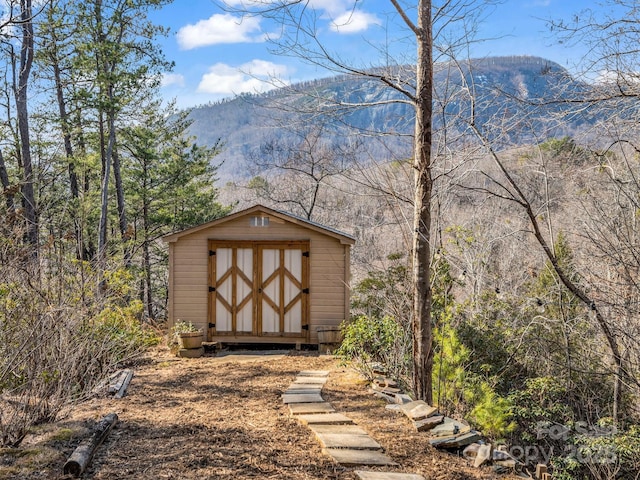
(187, 334)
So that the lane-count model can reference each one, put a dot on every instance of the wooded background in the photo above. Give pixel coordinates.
(532, 237)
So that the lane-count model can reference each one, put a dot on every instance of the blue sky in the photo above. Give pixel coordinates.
(218, 55)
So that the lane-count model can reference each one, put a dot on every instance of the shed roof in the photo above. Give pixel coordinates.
(341, 236)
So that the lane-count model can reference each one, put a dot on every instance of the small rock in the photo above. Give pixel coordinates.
(384, 396)
(401, 398)
(385, 382)
(483, 456)
(471, 451)
(385, 389)
(418, 410)
(428, 423)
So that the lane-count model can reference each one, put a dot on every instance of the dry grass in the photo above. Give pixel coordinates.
(218, 417)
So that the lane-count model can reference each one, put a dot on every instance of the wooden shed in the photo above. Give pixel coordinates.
(259, 276)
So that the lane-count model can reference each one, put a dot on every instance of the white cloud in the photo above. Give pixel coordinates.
(172, 79)
(219, 28)
(342, 15)
(253, 76)
(353, 22)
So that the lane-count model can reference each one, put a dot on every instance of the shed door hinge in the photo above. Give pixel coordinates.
(212, 253)
(305, 254)
(305, 290)
(212, 289)
(212, 325)
(305, 327)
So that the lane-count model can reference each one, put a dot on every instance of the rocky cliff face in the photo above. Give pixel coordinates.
(511, 101)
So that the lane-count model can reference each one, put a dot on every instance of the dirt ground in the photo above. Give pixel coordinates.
(222, 417)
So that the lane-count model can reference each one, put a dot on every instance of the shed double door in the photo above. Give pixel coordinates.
(259, 289)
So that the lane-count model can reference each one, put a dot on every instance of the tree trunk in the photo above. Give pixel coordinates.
(26, 61)
(108, 159)
(64, 117)
(68, 147)
(146, 255)
(122, 215)
(147, 279)
(422, 294)
(4, 180)
(104, 199)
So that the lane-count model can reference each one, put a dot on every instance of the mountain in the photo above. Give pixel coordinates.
(507, 89)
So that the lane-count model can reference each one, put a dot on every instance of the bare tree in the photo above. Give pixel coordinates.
(303, 166)
(299, 37)
(20, 92)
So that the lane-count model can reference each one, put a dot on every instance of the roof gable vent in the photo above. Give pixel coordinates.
(259, 221)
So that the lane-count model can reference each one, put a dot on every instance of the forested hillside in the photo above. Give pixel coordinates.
(94, 170)
(533, 205)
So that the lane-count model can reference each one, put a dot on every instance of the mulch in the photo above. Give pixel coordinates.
(223, 418)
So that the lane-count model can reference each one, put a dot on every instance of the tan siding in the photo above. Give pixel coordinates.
(171, 285)
(189, 276)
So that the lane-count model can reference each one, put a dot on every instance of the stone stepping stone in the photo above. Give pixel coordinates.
(324, 419)
(364, 475)
(347, 440)
(350, 429)
(351, 457)
(304, 387)
(302, 398)
(418, 410)
(314, 373)
(308, 380)
(307, 408)
(307, 391)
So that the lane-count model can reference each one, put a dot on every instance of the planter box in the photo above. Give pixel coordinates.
(190, 340)
(191, 352)
(330, 335)
(329, 338)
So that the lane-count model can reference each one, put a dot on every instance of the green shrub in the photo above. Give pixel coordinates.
(370, 340)
(122, 324)
(601, 453)
(491, 413)
(462, 392)
(541, 401)
(58, 340)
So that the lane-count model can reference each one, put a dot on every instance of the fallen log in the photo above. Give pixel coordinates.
(82, 455)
